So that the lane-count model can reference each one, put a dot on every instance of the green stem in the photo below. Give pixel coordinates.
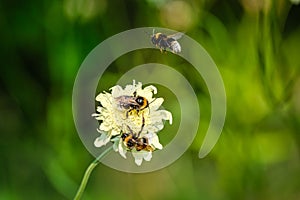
(88, 173)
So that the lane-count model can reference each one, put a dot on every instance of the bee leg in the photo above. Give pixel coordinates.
(127, 112)
(138, 111)
(165, 50)
(130, 130)
(143, 124)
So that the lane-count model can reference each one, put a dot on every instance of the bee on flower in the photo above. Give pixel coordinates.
(131, 119)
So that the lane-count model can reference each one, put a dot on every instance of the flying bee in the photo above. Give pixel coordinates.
(131, 103)
(167, 41)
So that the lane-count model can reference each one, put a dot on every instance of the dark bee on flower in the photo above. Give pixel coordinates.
(163, 41)
(131, 103)
(132, 140)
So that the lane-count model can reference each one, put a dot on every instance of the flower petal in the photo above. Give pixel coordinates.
(117, 91)
(115, 141)
(140, 155)
(155, 104)
(148, 155)
(122, 149)
(160, 115)
(138, 158)
(115, 131)
(105, 126)
(115, 146)
(104, 99)
(102, 140)
(153, 140)
(130, 89)
(147, 92)
(151, 88)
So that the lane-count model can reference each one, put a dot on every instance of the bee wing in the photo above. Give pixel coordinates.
(125, 102)
(176, 36)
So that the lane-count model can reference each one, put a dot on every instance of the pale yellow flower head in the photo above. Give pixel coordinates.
(116, 119)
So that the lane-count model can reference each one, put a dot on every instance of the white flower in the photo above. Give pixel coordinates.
(120, 113)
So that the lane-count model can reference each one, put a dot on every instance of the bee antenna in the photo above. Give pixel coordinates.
(150, 103)
(153, 101)
(130, 130)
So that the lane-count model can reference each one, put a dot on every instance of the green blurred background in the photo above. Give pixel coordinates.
(254, 43)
